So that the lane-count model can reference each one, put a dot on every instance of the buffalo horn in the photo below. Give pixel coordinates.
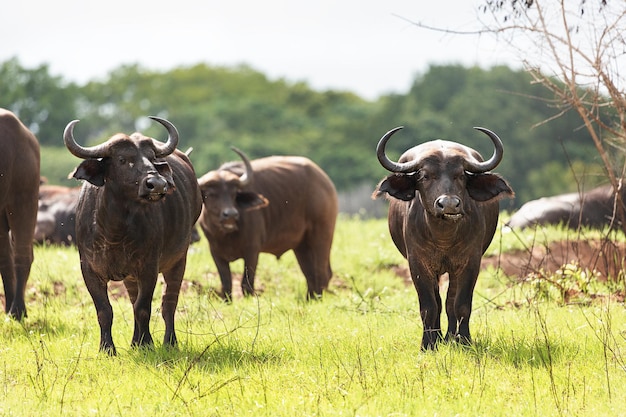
(246, 178)
(98, 151)
(387, 163)
(470, 166)
(172, 138)
(479, 167)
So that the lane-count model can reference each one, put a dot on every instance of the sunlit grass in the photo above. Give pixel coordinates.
(354, 353)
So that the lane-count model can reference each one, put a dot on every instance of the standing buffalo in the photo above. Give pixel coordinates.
(19, 184)
(443, 214)
(593, 208)
(134, 219)
(270, 205)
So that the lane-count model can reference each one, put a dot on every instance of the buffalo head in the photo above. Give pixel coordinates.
(133, 163)
(444, 173)
(226, 193)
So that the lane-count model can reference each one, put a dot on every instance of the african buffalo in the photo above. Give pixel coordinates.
(56, 216)
(443, 213)
(269, 205)
(19, 184)
(593, 208)
(134, 219)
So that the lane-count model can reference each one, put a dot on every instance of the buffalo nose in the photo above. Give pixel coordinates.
(230, 213)
(447, 204)
(156, 185)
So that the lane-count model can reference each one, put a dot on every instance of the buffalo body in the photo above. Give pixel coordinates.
(443, 213)
(56, 216)
(594, 208)
(270, 205)
(19, 184)
(134, 219)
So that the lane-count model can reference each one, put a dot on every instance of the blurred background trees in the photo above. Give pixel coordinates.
(215, 108)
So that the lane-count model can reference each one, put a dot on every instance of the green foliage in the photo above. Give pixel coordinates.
(42, 101)
(215, 108)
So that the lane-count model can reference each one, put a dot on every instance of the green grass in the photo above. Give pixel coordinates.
(355, 353)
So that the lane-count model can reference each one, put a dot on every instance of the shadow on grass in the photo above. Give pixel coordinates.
(536, 353)
(216, 356)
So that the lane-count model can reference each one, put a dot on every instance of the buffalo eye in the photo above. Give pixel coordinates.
(210, 194)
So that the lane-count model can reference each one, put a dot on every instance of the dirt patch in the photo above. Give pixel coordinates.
(603, 257)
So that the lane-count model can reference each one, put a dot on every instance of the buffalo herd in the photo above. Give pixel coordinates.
(135, 216)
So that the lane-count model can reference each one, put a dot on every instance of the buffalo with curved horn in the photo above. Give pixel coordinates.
(269, 205)
(134, 219)
(443, 213)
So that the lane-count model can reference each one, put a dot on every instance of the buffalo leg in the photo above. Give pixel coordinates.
(251, 261)
(173, 280)
(430, 307)
(463, 304)
(133, 290)
(143, 309)
(22, 230)
(223, 269)
(7, 268)
(314, 262)
(450, 308)
(97, 288)
(131, 287)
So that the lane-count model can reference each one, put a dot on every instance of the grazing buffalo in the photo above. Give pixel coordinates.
(593, 208)
(56, 217)
(19, 184)
(269, 205)
(134, 219)
(443, 213)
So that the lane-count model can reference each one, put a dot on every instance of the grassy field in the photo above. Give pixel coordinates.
(355, 353)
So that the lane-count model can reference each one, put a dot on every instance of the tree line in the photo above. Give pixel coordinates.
(217, 107)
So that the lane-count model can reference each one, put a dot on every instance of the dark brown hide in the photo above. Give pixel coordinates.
(289, 203)
(593, 208)
(56, 217)
(19, 184)
(442, 218)
(134, 219)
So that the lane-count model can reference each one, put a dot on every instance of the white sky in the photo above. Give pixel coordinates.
(364, 46)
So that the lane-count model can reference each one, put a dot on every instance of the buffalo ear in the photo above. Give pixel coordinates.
(91, 170)
(400, 186)
(164, 170)
(247, 200)
(484, 187)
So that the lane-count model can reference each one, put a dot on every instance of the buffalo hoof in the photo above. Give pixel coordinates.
(17, 312)
(431, 339)
(108, 350)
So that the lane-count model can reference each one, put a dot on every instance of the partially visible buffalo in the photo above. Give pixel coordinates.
(270, 205)
(593, 208)
(19, 183)
(56, 217)
(443, 213)
(134, 219)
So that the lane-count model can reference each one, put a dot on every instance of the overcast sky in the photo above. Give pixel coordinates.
(364, 46)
